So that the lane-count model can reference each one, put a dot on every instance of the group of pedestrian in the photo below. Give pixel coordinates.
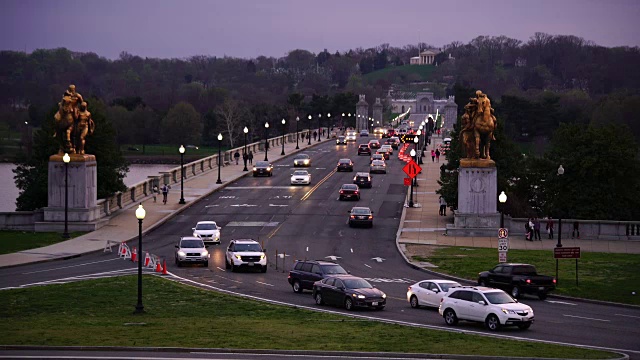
(532, 230)
(435, 155)
(245, 157)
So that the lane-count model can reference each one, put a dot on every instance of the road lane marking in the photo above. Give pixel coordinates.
(586, 318)
(221, 269)
(70, 266)
(367, 266)
(637, 317)
(561, 302)
(263, 283)
(226, 278)
(256, 187)
(316, 186)
(273, 233)
(252, 223)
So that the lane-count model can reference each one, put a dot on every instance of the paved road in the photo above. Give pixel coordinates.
(309, 222)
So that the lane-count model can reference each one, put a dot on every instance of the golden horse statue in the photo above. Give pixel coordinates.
(478, 126)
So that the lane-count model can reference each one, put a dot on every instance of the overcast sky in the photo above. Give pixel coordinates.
(250, 28)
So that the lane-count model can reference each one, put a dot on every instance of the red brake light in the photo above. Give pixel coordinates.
(353, 216)
(341, 191)
(528, 281)
(356, 191)
(554, 281)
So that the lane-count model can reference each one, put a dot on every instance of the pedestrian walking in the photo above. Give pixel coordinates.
(527, 231)
(550, 227)
(437, 155)
(154, 191)
(433, 155)
(536, 229)
(250, 157)
(576, 230)
(443, 206)
(315, 135)
(165, 193)
(237, 156)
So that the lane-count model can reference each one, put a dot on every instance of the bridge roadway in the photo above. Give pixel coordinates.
(310, 222)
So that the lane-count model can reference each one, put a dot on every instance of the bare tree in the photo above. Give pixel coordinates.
(232, 115)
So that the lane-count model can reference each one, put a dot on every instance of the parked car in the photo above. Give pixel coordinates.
(245, 253)
(363, 149)
(341, 140)
(300, 177)
(344, 165)
(493, 307)
(360, 215)
(429, 292)
(362, 179)
(374, 144)
(349, 191)
(518, 279)
(302, 160)
(191, 250)
(262, 168)
(348, 291)
(378, 166)
(208, 231)
(307, 272)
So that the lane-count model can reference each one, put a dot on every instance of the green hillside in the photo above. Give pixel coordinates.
(401, 74)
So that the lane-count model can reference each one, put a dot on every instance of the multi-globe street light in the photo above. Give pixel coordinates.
(219, 181)
(140, 213)
(181, 150)
(283, 122)
(66, 158)
(266, 140)
(245, 157)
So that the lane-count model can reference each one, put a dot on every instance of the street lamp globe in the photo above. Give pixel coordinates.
(419, 132)
(560, 170)
(245, 130)
(283, 121)
(309, 117)
(342, 114)
(266, 125)
(412, 153)
(181, 149)
(349, 114)
(220, 137)
(328, 115)
(502, 197)
(140, 212)
(66, 158)
(297, 118)
(415, 140)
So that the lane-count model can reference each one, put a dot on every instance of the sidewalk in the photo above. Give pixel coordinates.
(421, 225)
(123, 226)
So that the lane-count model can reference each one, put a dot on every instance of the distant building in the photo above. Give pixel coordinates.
(426, 57)
(422, 104)
(521, 62)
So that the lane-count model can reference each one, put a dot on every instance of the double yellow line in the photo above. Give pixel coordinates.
(306, 196)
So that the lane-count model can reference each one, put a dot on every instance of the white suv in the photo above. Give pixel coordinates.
(245, 253)
(191, 250)
(492, 306)
(208, 231)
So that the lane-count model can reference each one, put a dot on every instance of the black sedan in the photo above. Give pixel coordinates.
(262, 168)
(360, 215)
(345, 165)
(348, 291)
(349, 191)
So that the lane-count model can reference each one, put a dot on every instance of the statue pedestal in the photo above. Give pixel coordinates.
(82, 212)
(477, 213)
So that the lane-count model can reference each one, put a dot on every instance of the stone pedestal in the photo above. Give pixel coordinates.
(82, 212)
(477, 213)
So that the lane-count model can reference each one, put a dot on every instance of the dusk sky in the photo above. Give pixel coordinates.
(250, 28)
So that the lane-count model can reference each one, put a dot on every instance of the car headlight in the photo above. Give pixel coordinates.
(306, 161)
(507, 311)
(254, 169)
(358, 296)
(205, 253)
(384, 296)
(239, 257)
(262, 256)
(181, 253)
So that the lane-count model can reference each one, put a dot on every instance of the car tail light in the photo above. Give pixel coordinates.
(356, 192)
(353, 216)
(528, 281)
(341, 191)
(370, 217)
(554, 281)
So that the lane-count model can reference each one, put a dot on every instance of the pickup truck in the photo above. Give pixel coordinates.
(518, 279)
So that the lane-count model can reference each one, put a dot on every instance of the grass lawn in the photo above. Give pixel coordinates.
(99, 313)
(601, 276)
(423, 71)
(14, 241)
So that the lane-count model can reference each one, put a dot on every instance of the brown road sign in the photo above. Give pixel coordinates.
(566, 253)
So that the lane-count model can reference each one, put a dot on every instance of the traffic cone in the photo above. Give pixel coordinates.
(164, 267)
(158, 267)
(134, 255)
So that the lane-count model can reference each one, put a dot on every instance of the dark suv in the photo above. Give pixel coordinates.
(363, 149)
(362, 179)
(305, 273)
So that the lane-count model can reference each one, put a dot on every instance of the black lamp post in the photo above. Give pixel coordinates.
(415, 148)
(297, 121)
(266, 140)
(412, 153)
(348, 120)
(503, 199)
(245, 156)
(181, 150)
(319, 128)
(559, 244)
(309, 134)
(140, 213)
(342, 120)
(66, 159)
(219, 181)
(328, 121)
(283, 122)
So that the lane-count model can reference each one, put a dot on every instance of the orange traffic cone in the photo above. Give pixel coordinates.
(164, 267)
(158, 267)
(134, 255)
